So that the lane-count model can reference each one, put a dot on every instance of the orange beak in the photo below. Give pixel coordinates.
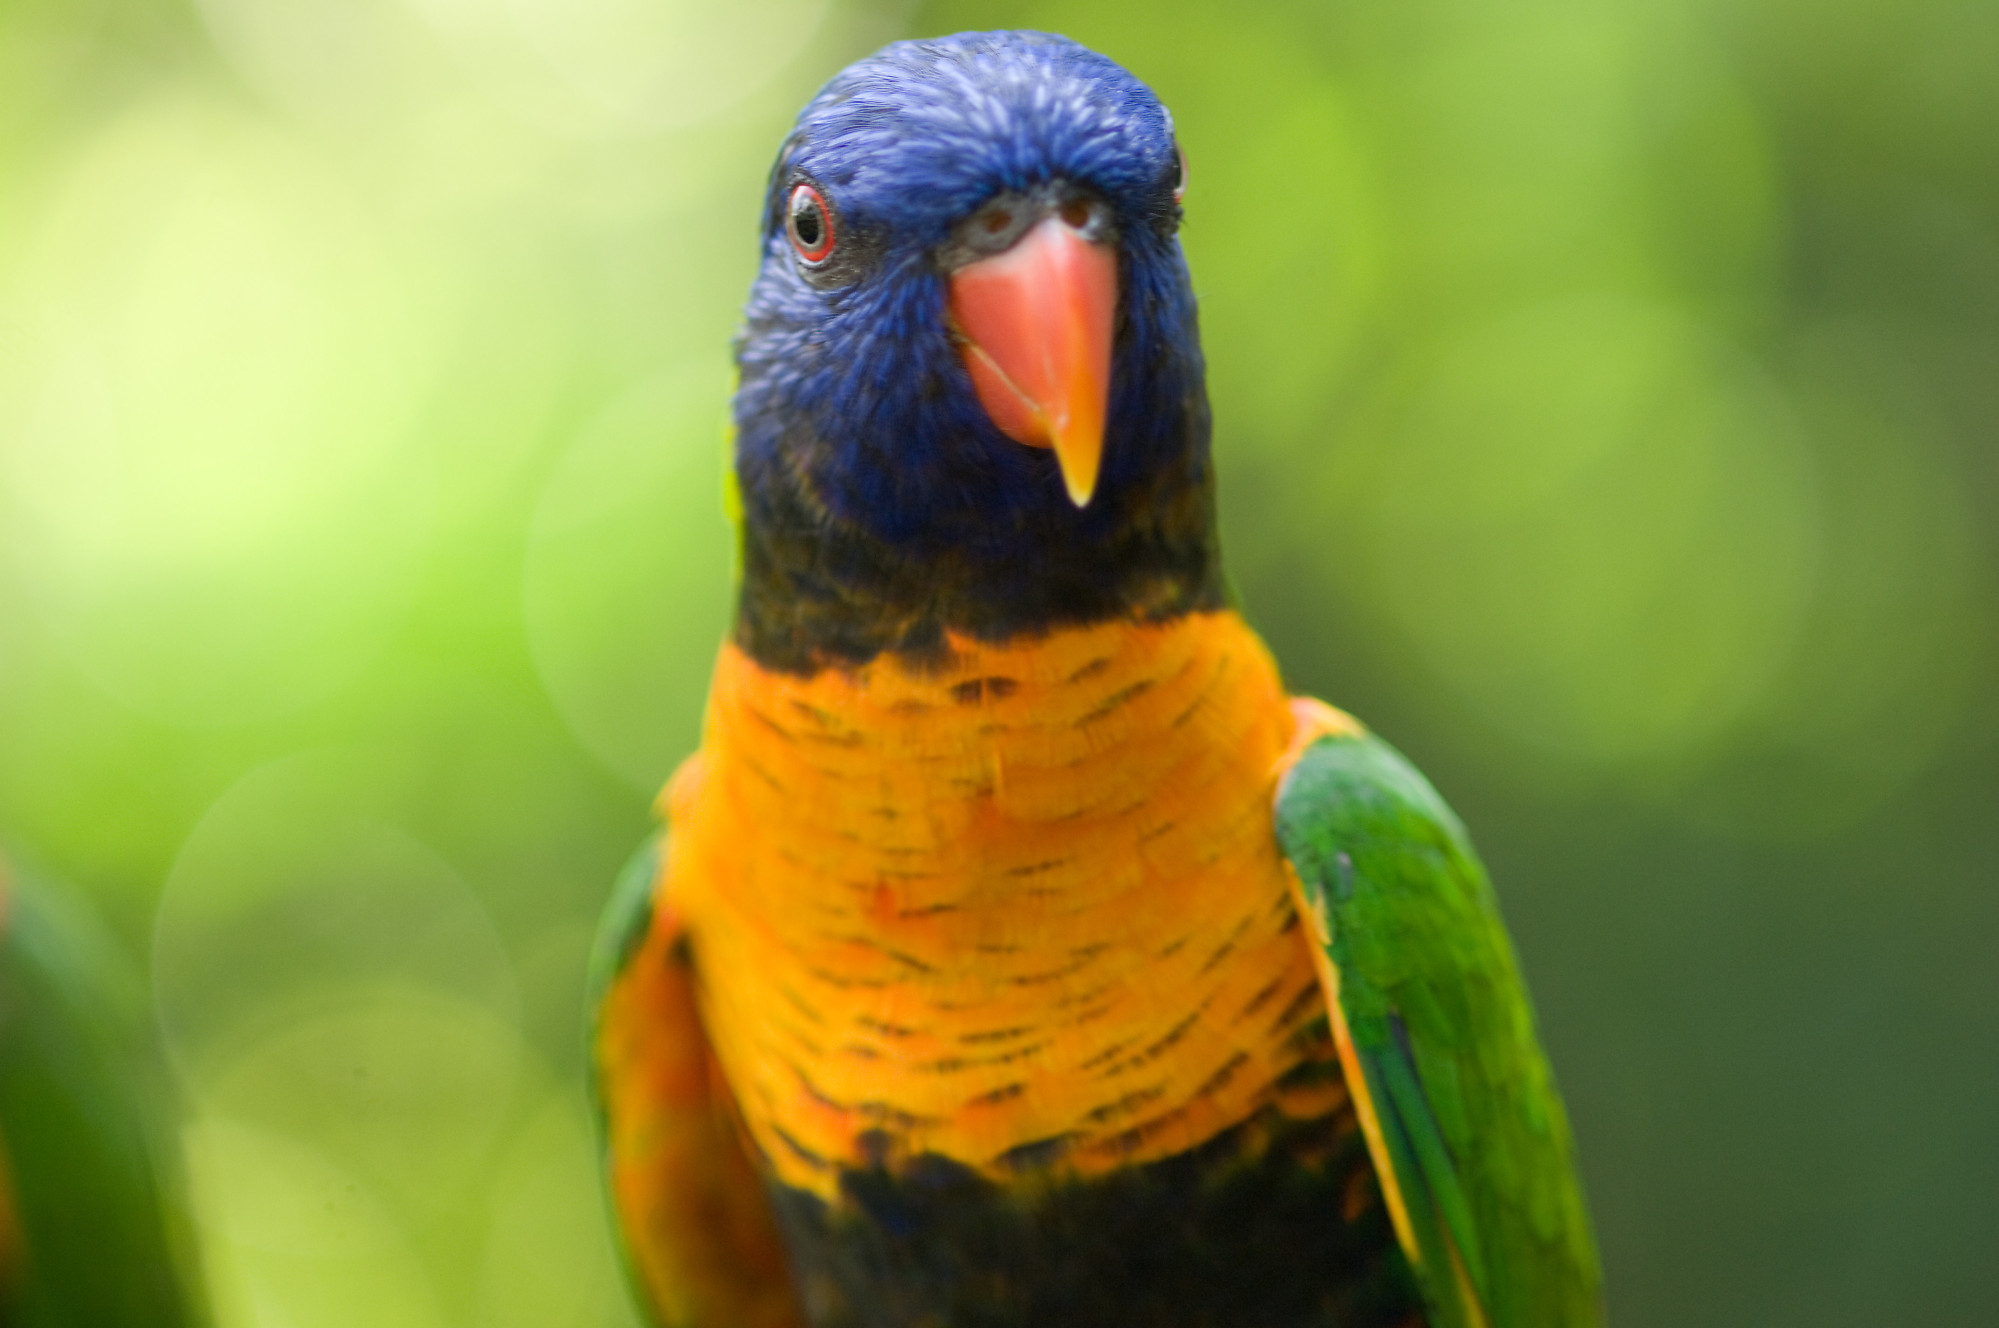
(1035, 325)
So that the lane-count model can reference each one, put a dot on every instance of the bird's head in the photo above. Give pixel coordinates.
(971, 392)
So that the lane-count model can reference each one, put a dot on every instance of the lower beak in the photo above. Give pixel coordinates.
(1035, 324)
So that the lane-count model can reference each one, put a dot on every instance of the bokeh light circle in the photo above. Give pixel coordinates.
(321, 974)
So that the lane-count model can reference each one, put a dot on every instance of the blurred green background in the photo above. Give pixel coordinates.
(1607, 396)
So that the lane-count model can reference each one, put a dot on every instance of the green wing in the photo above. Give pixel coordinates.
(1463, 1118)
(89, 1182)
(626, 920)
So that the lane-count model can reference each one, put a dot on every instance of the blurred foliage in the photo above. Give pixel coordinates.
(1607, 398)
(90, 1174)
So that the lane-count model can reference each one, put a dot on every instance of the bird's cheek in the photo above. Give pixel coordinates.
(1035, 326)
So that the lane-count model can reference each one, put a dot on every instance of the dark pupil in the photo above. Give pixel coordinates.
(805, 223)
(1179, 169)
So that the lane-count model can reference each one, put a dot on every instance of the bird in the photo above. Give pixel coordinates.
(91, 1228)
(1015, 950)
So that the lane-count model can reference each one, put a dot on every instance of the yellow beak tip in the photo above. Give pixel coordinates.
(1079, 455)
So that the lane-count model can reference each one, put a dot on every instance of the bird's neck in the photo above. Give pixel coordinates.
(817, 592)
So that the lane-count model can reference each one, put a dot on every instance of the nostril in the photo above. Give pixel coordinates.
(997, 220)
(1076, 213)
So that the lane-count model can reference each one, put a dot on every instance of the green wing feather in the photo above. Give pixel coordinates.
(627, 917)
(1439, 1024)
(90, 1177)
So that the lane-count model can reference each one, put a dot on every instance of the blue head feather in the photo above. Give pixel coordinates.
(882, 506)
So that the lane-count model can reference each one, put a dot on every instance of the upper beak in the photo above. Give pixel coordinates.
(1035, 325)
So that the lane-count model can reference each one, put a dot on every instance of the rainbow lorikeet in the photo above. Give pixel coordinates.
(88, 1236)
(1017, 953)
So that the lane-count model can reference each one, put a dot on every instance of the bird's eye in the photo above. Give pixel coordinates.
(1179, 174)
(809, 223)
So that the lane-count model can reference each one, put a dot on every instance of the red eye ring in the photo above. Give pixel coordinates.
(809, 224)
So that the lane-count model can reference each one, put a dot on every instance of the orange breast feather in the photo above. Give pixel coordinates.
(1025, 909)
